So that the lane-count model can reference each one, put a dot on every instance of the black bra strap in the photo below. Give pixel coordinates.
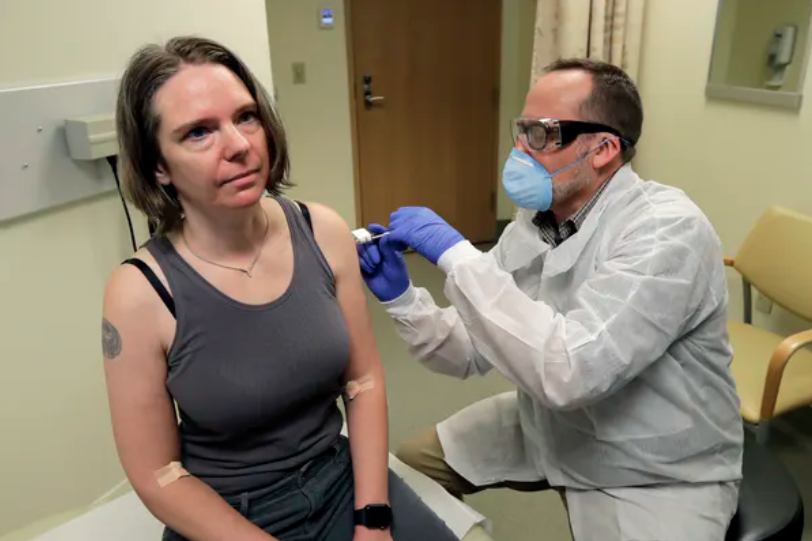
(306, 214)
(156, 283)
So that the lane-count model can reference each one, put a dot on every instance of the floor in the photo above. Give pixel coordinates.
(419, 398)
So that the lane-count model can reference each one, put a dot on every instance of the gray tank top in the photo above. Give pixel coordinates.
(256, 385)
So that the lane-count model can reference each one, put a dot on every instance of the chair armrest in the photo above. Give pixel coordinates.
(747, 291)
(775, 370)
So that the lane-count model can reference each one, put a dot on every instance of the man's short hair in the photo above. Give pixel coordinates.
(614, 99)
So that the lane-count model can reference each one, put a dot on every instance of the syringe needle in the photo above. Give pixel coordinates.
(382, 235)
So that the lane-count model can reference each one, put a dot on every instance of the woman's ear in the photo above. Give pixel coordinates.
(162, 175)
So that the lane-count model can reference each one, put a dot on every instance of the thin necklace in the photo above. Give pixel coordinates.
(245, 270)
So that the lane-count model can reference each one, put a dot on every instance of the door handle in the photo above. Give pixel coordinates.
(369, 99)
(372, 100)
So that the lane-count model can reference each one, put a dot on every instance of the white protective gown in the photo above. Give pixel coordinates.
(616, 341)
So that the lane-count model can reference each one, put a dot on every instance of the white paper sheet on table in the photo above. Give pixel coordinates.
(459, 517)
(126, 518)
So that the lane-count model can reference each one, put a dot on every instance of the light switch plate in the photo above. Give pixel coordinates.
(299, 76)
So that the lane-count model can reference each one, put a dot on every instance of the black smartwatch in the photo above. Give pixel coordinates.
(375, 517)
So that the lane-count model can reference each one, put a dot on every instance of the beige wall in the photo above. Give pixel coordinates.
(317, 114)
(733, 159)
(57, 450)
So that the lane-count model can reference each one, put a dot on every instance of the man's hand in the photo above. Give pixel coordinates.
(362, 533)
(383, 266)
(423, 230)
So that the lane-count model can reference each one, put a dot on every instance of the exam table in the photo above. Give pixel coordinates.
(121, 516)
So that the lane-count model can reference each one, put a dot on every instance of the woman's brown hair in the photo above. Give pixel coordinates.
(137, 124)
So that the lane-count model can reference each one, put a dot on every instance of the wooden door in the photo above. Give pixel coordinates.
(431, 139)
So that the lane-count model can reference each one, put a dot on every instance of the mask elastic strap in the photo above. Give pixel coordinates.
(582, 158)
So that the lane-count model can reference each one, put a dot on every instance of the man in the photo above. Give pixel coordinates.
(604, 302)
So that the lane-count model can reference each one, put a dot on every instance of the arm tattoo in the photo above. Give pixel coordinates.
(111, 340)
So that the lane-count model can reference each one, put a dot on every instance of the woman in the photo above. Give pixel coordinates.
(248, 313)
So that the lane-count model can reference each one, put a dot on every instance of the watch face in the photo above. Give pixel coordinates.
(376, 516)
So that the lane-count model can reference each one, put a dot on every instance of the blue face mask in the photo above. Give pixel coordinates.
(528, 183)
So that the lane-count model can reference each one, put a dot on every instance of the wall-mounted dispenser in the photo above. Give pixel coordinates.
(780, 53)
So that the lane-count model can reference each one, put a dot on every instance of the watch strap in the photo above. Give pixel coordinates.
(376, 516)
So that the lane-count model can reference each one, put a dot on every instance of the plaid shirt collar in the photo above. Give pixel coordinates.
(554, 235)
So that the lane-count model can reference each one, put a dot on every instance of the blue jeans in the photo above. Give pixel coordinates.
(317, 503)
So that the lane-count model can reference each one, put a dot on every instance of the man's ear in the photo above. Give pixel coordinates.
(610, 149)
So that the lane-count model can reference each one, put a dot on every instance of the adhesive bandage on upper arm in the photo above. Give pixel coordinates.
(363, 236)
(170, 473)
(358, 386)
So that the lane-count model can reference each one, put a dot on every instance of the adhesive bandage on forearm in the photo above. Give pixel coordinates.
(358, 386)
(170, 473)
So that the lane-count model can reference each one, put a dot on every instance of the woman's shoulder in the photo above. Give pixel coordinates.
(325, 216)
(128, 291)
(333, 235)
(321, 215)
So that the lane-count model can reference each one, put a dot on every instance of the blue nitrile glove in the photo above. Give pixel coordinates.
(423, 230)
(383, 266)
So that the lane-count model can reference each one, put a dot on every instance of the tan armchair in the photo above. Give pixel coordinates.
(774, 374)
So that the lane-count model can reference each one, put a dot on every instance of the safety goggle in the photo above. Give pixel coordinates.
(547, 134)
